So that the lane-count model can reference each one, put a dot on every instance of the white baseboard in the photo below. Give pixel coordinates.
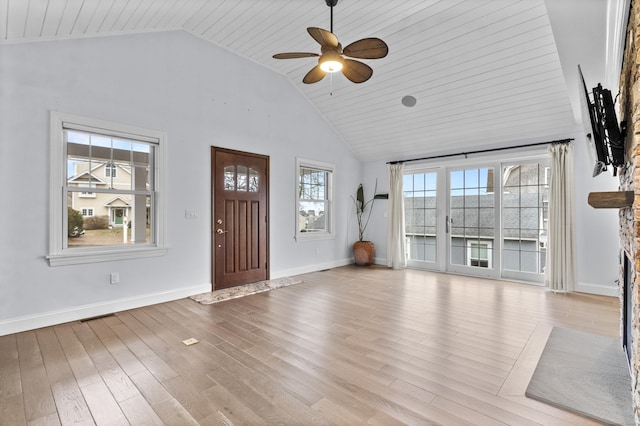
(31, 322)
(602, 290)
(310, 268)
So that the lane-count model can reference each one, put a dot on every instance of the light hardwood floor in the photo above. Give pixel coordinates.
(348, 346)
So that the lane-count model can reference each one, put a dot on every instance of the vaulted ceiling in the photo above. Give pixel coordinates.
(485, 73)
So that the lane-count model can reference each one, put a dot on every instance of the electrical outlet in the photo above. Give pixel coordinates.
(114, 278)
(191, 214)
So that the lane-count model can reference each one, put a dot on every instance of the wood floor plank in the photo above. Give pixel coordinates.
(80, 362)
(50, 420)
(263, 381)
(349, 345)
(71, 405)
(233, 410)
(179, 357)
(151, 388)
(104, 408)
(95, 335)
(150, 359)
(172, 413)
(9, 367)
(109, 370)
(258, 403)
(37, 396)
(139, 412)
(12, 410)
(55, 361)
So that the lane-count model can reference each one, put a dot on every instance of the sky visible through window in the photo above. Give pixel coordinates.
(463, 182)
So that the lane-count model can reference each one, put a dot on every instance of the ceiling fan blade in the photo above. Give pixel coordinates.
(294, 55)
(367, 48)
(324, 37)
(356, 71)
(315, 75)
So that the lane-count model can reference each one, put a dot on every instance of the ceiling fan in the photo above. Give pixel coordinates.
(334, 58)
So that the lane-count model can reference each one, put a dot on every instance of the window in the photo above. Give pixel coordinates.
(241, 178)
(314, 197)
(109, 174)
(110, 171)
(478, 253)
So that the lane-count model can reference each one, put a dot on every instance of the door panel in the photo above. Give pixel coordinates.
(472, 222)
(240, 219)
(422, 202)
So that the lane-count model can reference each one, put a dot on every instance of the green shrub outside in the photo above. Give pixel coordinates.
(74, 219)
(96, 222)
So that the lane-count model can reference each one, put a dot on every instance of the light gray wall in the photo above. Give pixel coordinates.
(201, 96)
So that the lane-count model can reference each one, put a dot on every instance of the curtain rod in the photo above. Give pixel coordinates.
(481, 151)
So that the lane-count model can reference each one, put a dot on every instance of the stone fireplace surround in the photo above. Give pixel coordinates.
(629, 110)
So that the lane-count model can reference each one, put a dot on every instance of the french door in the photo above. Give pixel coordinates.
(472, 222)
(450, 220)
(487, 220)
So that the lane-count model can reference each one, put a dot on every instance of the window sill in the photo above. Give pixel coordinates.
(104, 255)
(314, 237)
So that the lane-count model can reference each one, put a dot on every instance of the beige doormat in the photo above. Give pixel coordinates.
(244, 290)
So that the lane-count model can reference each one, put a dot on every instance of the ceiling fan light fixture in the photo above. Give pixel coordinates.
(331, 62)
(334, 58)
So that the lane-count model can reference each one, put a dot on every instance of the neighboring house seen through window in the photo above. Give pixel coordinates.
(109, 180)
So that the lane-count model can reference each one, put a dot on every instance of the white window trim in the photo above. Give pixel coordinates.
(329, 212)
(58, 255)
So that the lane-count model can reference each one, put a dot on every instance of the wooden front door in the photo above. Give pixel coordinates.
(240, 231)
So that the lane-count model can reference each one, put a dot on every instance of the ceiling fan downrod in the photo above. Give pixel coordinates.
(331, 4)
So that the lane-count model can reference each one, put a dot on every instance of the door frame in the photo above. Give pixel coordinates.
(214, 151)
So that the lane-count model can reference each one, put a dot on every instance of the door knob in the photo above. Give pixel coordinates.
(220, 231)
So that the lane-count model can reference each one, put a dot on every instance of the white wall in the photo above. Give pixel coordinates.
(597, 230)
(201, 96)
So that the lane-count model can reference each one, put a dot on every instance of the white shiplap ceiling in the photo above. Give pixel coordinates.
(485, 73)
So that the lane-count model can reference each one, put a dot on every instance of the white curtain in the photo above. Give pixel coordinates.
(396, 258)
(560, 269)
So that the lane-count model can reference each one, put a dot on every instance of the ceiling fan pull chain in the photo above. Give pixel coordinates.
(330, 84)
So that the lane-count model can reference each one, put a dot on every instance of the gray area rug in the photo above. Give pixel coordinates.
(585, 373)
(243, 290)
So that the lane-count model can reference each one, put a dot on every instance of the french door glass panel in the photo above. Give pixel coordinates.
(472, 220)
(420, 203)
(524, 219)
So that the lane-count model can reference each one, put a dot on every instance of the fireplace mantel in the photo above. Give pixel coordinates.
(611, 199)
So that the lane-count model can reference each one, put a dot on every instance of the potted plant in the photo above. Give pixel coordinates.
(363, 251)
